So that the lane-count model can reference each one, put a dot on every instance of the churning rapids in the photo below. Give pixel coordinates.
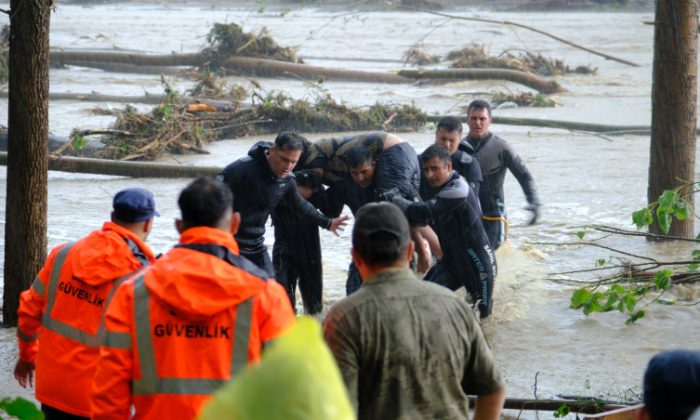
(582, 179)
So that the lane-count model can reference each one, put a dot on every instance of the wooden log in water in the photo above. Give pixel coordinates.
(271, 68)
(526, 79)
(122, 168)
(160, 60)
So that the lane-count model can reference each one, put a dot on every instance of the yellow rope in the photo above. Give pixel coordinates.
(498, 219)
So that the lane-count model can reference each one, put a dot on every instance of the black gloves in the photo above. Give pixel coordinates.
(535, 209)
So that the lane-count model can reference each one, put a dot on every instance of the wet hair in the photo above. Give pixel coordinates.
(205, 202)
(479, 104)
(450, 124)
(436, 151)
(289, 140)
(358, 155)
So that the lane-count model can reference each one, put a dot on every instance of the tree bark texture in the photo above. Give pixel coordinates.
(674, 114)
(27, 192)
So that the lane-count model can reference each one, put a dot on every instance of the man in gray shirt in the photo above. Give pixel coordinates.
(407, 348)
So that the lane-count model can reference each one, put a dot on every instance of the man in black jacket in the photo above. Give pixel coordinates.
(259, 182)
(467, 258)
(495, 155)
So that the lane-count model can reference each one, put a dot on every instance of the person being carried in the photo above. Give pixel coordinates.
(262, 180)
(495, 155)
(467, 259)
(407, 348)
(187, 324)
(61, 316)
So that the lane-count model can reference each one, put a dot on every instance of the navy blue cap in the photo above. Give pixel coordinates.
(134, 205)
(672, 384)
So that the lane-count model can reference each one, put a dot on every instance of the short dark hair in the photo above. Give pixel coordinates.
(205, 202)
(289, 140)
(450, 123)
(358, 155)
(672, 384)
(436, 151)
(479, 104)
(380, 235)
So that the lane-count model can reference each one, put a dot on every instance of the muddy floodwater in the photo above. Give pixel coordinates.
(543, 347)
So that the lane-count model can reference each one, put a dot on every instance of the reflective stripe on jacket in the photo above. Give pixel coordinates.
(61, 315)
(183, 327)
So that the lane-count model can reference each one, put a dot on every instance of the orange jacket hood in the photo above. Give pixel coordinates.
(104, 255)
(199, 285)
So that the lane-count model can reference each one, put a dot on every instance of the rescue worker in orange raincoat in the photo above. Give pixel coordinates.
(190, 322)
(60, 317)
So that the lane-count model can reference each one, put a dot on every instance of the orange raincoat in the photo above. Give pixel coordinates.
(60, 316)
(181, 328)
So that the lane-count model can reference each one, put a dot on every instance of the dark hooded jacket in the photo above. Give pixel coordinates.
(256, 191)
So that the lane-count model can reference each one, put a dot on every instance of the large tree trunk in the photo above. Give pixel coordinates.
(674, 91)
(28, 106)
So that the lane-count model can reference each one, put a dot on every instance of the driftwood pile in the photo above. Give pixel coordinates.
(476, 56)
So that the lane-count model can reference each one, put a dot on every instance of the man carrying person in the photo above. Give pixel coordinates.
(495, 155)
(259, 182)
(61, 316)
(296, 253)
(467, 259)
(407, 348)
(191, 321)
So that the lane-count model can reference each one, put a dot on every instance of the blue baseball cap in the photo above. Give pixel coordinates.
(134, 205)
(672, 384)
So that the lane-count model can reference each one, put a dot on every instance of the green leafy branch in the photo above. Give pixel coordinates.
(623, 292)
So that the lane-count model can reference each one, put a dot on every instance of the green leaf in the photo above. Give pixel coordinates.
(580, 297)
(696, 254)
(580, 234)
(600, 262)
(662, 279)
(630, 302)
(562, 411)
(635, 317)
(680, 210)
(665, 219)
(668, 200)
(642, 218)
(21, 408)
(693, 267)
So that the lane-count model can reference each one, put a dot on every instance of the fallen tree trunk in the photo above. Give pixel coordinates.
(272, 68)
(249, 66)
(121, 168)
(609, 130)
(162, 60)
(579, 406)
(527, 79)
(155, 99)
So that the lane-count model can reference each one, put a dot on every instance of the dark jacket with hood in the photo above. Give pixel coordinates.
(257, 190)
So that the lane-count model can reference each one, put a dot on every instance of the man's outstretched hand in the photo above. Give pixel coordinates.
(338, 223)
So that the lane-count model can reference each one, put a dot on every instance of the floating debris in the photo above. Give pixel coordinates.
(528, 99)
(476, 56)
(174, 127)
(417, 55)
(227, 40)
